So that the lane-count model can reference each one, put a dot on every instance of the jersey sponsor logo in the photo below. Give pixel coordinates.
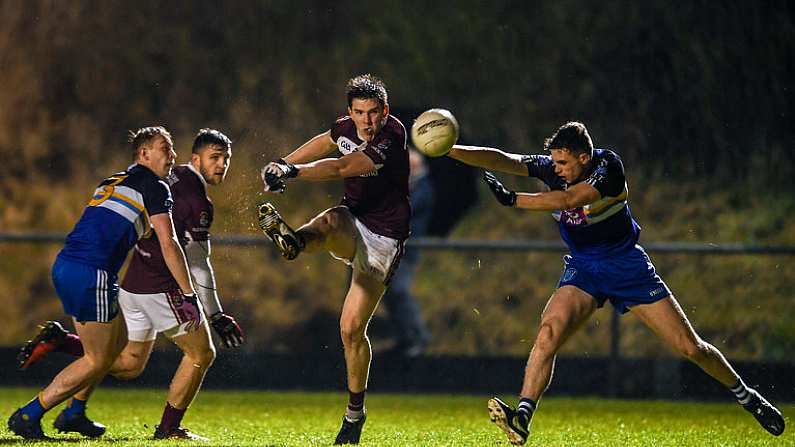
(574, 217)
(569, 274)
(347, 146)
(657, 291)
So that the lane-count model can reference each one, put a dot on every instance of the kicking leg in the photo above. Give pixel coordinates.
(667, 319)
(567, 309)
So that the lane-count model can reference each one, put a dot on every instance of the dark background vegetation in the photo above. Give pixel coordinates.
(695, 96)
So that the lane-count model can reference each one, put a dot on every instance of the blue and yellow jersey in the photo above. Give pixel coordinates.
(601, 228)
(116, 217)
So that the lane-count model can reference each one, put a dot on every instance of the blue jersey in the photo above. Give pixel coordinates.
(603, 228)
(116, 217)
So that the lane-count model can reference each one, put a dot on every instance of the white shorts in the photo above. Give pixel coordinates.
(376, 255)
(149, 313)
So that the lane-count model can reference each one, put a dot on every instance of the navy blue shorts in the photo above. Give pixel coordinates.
(87, 293)
(626, 280)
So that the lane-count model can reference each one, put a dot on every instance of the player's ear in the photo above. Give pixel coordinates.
(142, 152)
(195, 158)
(386, 109)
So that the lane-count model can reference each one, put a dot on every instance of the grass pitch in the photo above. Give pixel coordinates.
(254, 418)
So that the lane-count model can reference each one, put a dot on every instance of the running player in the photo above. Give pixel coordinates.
(150, 304)
(588, 198)
(125, 208)
(367, 231)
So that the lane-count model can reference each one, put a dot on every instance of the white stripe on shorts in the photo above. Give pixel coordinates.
(102, 296)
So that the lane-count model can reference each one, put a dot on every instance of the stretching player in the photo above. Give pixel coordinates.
(367, 231)
(588, 198)
(150, 303)
(124, 209)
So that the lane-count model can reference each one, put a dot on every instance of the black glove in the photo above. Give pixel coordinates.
(275, 173)
(503, 195)
(227, 329)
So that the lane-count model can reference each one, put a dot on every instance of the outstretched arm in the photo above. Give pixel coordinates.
(351, 165)
(578, 195)
(489, 158)
(317, 147)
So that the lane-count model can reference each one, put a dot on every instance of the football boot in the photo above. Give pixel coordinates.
(21, 424)
(351, 431)
(765, 413)
(79, 424)
(50, 337)
(287, 241)
(178, 433)
(510, 421)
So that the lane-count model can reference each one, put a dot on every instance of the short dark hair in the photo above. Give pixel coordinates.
(366, 86)
(572, 136)
(207, 137)
(145, 135)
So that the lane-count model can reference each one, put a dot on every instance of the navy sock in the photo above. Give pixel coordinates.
(75, 407)
(34, 409)
(526, 407)
(740, 391)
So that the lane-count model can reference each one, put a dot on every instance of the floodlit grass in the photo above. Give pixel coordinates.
(312, 419)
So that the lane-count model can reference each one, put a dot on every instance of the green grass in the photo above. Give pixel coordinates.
(312, 419)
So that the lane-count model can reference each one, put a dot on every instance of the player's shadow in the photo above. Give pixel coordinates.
(108, 440)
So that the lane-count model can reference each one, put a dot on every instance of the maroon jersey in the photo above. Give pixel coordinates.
(379, 199)
(192, 214)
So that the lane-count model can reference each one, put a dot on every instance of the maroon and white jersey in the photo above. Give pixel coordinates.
(379, 199)
(192, 214)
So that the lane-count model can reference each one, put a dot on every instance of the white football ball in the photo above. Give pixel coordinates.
(434, 132)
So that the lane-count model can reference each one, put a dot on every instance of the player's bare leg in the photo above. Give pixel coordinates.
(199, 354)
(332, 230)
(101, 343)
(132, 360)
(360, 303)
(667, 319)
(567, 309)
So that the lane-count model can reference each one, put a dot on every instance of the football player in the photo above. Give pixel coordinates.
(367, 230)
(588, 198)
(151, 305)
(125, 208)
